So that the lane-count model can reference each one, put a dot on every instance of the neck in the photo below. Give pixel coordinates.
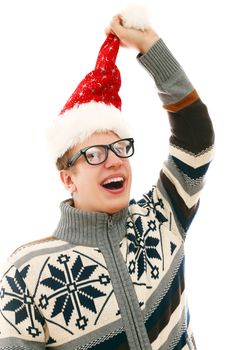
(87, 228)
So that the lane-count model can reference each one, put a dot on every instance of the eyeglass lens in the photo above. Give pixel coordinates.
(98, 154)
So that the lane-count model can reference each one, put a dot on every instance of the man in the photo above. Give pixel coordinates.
(112, 274)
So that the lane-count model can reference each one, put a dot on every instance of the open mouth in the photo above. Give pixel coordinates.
(115, 183)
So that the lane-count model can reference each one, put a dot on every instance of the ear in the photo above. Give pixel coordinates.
(67, 179)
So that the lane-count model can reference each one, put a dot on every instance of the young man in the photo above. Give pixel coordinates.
(112, 274)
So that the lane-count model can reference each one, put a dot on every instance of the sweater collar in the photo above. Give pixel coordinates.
(87, 228)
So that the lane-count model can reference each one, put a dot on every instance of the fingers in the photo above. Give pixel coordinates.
(115, 22)
(117, 27)
(116, 19)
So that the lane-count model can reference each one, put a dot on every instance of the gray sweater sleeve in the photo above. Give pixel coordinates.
(170, 79)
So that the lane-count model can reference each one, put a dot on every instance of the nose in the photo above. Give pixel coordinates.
(113, 160)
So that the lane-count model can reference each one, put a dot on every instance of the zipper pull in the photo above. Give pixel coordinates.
(110, 223)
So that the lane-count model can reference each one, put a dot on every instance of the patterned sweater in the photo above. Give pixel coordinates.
(117, 281)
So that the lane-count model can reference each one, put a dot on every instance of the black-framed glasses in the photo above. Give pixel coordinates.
(97, 154)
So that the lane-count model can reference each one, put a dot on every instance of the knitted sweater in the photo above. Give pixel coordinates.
(117, 281)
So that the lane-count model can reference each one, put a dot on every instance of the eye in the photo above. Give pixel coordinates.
(120, 150)
(92, 153)
(95, 155)
(123, 148)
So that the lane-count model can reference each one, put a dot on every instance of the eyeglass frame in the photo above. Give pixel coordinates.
(108, 147)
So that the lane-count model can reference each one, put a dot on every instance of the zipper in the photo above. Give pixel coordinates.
(110, 223)
(134, 330)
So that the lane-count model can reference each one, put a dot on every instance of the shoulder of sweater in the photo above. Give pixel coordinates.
(35, 248)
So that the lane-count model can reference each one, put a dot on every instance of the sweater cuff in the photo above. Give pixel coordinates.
(159, 62)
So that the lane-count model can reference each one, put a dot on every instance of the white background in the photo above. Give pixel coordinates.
(47, 47)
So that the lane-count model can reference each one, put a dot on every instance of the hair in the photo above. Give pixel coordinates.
(61, 162)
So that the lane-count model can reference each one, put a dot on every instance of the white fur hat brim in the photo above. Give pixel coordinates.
(77, 124)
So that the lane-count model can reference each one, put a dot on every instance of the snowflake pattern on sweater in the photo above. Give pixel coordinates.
(74, 290)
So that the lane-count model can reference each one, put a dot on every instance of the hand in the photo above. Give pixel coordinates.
(142, 40)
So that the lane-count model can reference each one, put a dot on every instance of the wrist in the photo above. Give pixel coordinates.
(151, 38)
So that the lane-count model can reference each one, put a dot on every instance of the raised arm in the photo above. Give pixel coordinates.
(192, 136)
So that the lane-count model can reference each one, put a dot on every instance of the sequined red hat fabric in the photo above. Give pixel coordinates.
(94, 106)
(103, 83)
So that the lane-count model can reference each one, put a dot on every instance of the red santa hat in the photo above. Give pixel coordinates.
(95, 105)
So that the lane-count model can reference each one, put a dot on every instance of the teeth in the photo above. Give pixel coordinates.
(113, 179)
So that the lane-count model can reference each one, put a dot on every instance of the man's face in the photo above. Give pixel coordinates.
(93, 186)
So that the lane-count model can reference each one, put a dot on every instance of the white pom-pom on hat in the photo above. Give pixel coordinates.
(135, 16)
